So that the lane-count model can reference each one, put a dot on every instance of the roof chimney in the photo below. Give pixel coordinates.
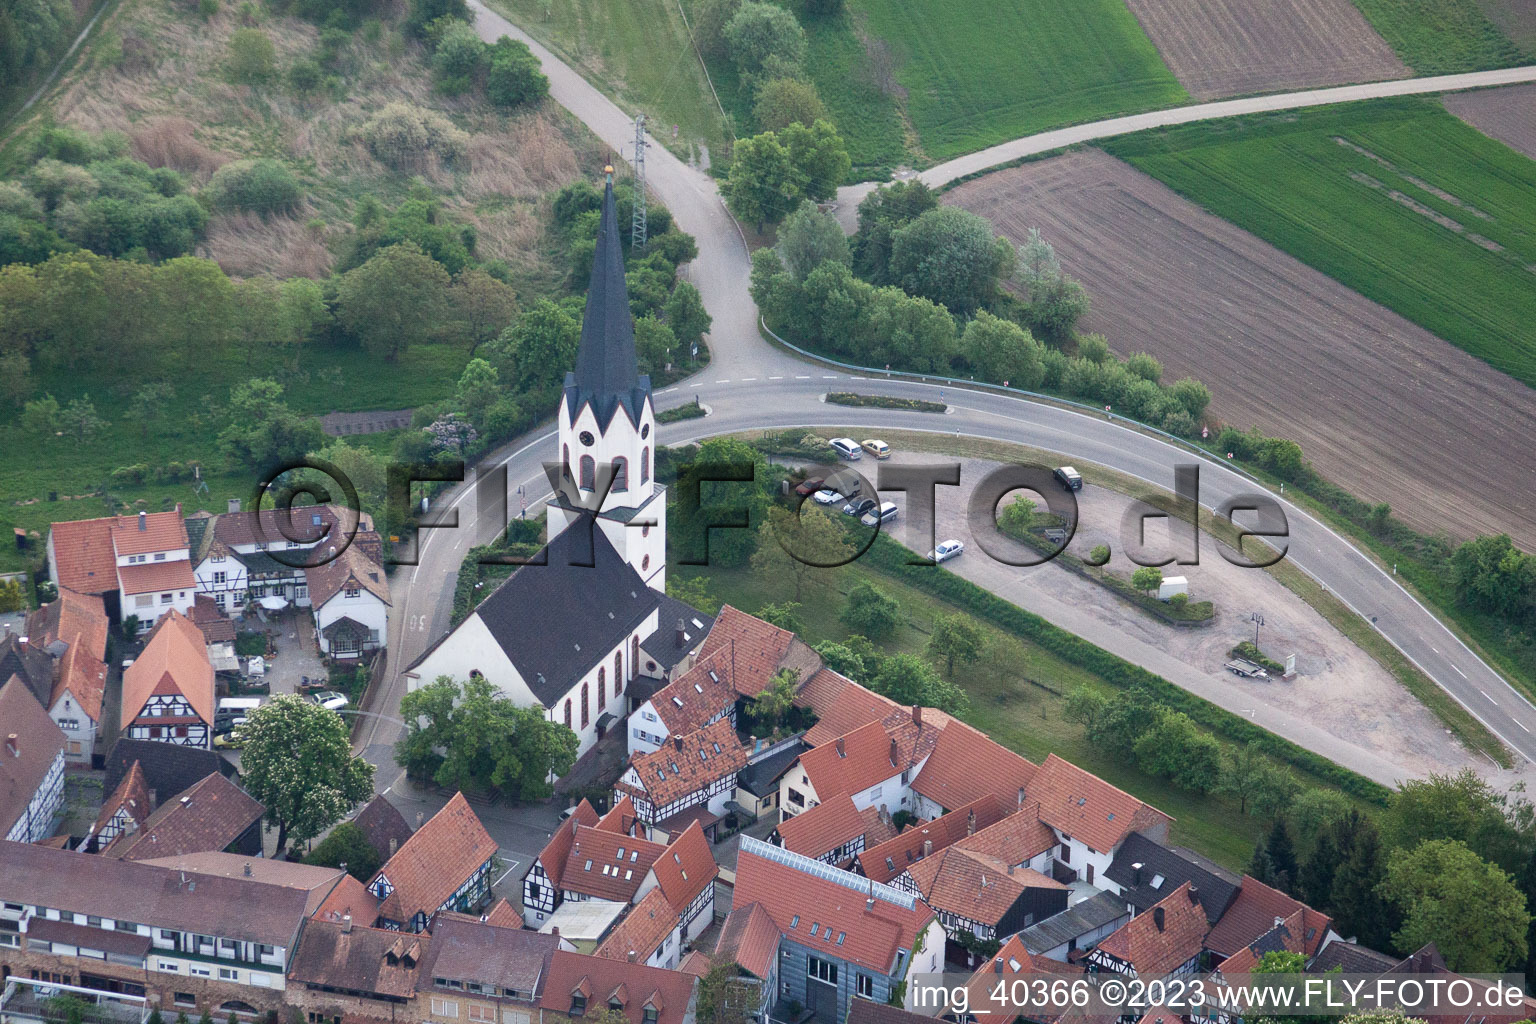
(247, 869)
(997, 965)
(678, 742)
(1194, 895)
(420, 817)
(1136, 873)
(143, 520)
(681, 635)
(1157, 917)
(10, 746)
(346, 924)
(927, 847)
(917, 715)
(893, 751)
(631, 956)
(234, 505)
(394, 844)
(970, 822)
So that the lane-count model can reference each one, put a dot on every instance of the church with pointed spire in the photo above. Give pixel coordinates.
(586, 631)
(607, 421)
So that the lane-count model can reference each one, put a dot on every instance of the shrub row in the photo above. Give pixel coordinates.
(139, 473)
(891, 557)
(884, 402)
(692, 411)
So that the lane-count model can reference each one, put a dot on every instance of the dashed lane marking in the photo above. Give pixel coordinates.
(1458, 670)
(1490, 699)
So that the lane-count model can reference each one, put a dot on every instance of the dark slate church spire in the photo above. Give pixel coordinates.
(607, 374)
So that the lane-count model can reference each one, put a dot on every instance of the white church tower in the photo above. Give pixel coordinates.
(606, 418)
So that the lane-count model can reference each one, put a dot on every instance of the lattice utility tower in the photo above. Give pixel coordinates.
(637, 221)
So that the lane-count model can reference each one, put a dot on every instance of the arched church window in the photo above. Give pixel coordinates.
(618, 671)
(645, 563)
(602, 688)
(567, 712)
(588, 473)
(586, 706)
(645, 464)
(645, 431)
(620, 475)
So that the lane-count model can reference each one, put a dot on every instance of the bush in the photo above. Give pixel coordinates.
(407, 137)
(305, 76)
(885, 402)
(459, 59)
(424, 12)
(256, 186)
(252, 58)
(870, 612)
(514, 77)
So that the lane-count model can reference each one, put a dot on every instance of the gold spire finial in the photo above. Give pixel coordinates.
(608, 170)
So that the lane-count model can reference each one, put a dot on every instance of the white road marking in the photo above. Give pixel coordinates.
(1490, 699)
(1522, 726)
(669, 390)
(780, 377)
(1434, 648)
(1458, 670)
(745, 379)
(726, 381)
(505, 873)
(829, 376)
(802, 376)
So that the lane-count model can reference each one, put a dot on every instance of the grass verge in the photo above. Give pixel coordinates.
(1396, 199)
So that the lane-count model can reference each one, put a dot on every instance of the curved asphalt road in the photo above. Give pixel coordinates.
(746, 371)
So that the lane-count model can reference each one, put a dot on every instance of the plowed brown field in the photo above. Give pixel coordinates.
(1507, 114)
(1235, 47)
(1378, 404)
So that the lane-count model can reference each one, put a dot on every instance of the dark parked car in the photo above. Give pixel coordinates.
(858, 506)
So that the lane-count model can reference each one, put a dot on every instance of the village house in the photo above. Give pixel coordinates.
(72, 630)
(168, 691)
(125, 810)
(31, 766)
(835, 831)
(890, 861)
(1081, 926)
(982, 899)
(1145, 871)
(841, 937)
(342, 969)
(140, 565)
(542, 891)
(579, 984)
(1167, 939)
(1012, 964)
(649, 933)
(445, 865)
(1254, 910)
(168, 768)
(1090, 818)
(349, 595)
(874, 765)
(749, 940)
(965, 766)
(211, 816)
(182, 939)
(484, 972)
(689, 779)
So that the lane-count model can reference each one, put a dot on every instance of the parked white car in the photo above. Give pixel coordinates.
(330, 700)
(827, 496)
(946, 550)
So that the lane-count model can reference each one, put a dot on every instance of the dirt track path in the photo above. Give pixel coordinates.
(1380, 405)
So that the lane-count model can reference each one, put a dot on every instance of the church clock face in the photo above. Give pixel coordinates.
(587, 438)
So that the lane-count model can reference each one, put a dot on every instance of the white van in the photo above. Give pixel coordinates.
(233, 711)
(848, 448)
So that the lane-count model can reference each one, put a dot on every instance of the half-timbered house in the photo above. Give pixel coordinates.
(1168, 939)
(168, 691)
(698, 770)
(445, 865)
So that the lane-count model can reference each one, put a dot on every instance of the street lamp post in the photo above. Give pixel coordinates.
(1258, 620)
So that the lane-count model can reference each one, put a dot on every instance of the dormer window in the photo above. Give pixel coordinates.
(578, 1004)
(650, 1015)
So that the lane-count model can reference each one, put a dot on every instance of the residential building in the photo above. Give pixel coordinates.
(1081, 926)
(383, 826)
(1090, 817)
(445, 865)
(542, 892)
(833, 831)
(124, 811)
(79, 686)
(262, 557)
(980, 898)
(482, 972)
(757, 785)
(1254, 910)
(578, 983)
(349, 595)
(890, 861)
(841, 937)
(140, 564)
(695, 773)
(874, 765)
(750, 940)
(966, 765)
(345, 970)
(685, 874)
(650, 933)
(168, 691)
(69, 619)
(62, 660)
(30, 664)
(1168, 939)
(1145, 871)
(1012, 965)
(1021, 839)
(183, 939)
(213, 815)
(31, 766)
(168, 768)
(841, 705)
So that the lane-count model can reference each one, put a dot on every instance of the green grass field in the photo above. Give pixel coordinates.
(1016, 691)
(867, 118)
(639, 53)
(978, 72)
(1413, 208)
(1441, 37)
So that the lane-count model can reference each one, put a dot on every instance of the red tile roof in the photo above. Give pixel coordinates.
(695, 963)
(152, 577)
(38, 744)
(216, 627)
(686, 763)
(277, 527)
(643, 929)
(886, 860)
(207, 817)
(621, 818)
(358, 958)
(966, 764)
(1016, 838)
(1013, 960)
(503, 915)
(702, 693)
(83, 555)
(148, 532)
(799, 901)
(824, 827)
(1253, 912)
(1154, 951)
(555, 852)
(84, 676)
(973, 885)
(852, 763)
(175, 660)
(72, 618)
(349, 897)
(637, 984)
(879, 827)
(435, 861)
(607, 865)
(1086, 807)
(685, 868)
(131, 795)
(749, 939)
(754, 648)
(841, 706)
(1288, 935)
(354, 566)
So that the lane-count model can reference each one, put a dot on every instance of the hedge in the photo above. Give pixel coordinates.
(889, 556)
(885, 402)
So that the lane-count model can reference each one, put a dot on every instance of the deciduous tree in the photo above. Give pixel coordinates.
(956, 638)
(782, 102)
(298, 762)
(393, 300)
(1001, 351)
(346, 847)
(952, 257)
(1468, 907)
(762, 185)
(799, 545)
(907, 679)
(871, 612)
